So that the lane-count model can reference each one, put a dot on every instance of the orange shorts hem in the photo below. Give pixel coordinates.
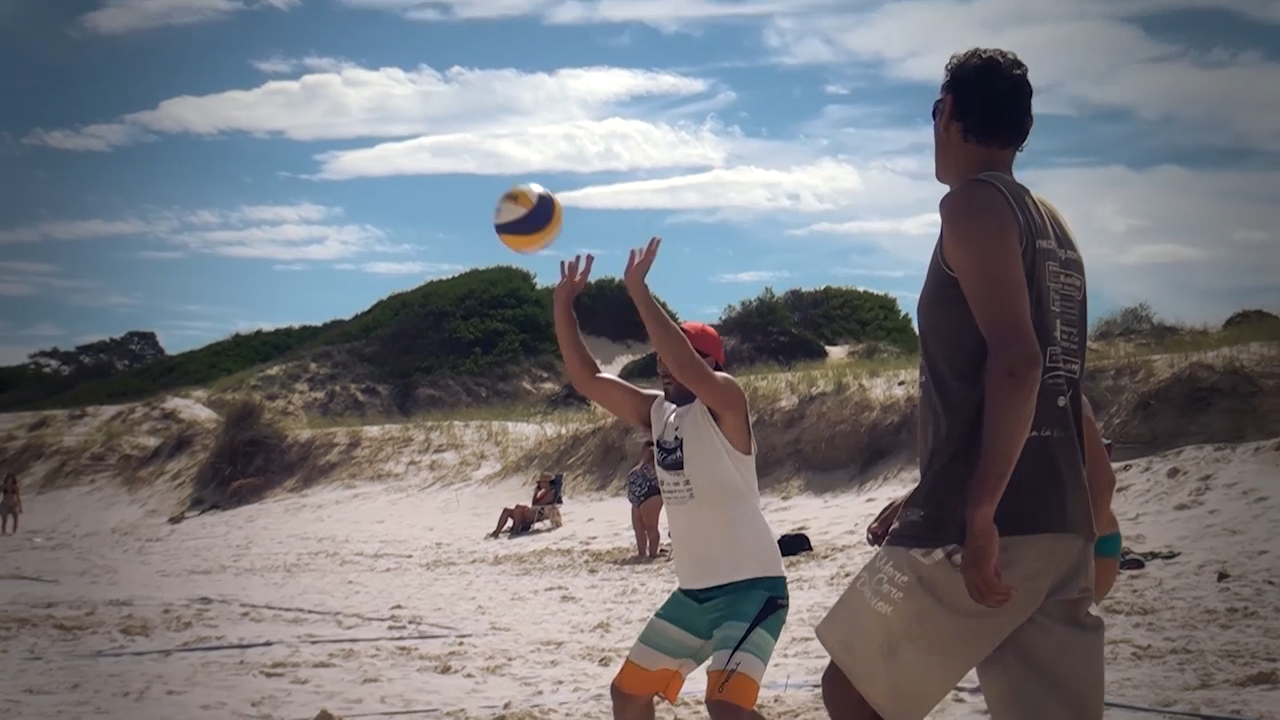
(635, 680)
(735, 688)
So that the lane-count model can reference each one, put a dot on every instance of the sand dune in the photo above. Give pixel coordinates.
(385, 597)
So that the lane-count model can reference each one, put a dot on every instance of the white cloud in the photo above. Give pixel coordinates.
(219, 328)
(303, 212)
(44, 329)
(924, 224)
(823, 185)
(354, 102)
(28, 268)
(287, 242)
(26, 279)
(117, 17)
(585, 146)
(162, 254)
(864, 272)
(1124, 67)
(280, 65)
(79, 230)
(1196, 244)
(664, 14)
(751, 276)
(401, 268)
(286, 233)
(99, 137)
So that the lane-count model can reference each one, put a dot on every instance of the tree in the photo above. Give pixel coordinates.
(132, 350)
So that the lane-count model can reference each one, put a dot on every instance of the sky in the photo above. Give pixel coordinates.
(205, 167)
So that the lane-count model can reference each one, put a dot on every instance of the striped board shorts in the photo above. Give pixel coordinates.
(734, 626)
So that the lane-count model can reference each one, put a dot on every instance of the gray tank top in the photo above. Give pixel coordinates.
(1047, 492)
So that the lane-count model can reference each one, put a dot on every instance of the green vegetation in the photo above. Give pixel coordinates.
(463, 337)
(1137, 331)
(795, 328)
(474, 324)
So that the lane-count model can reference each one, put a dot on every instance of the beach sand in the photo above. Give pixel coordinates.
(425, 613)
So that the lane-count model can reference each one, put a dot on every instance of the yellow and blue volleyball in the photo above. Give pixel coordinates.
(528, 218)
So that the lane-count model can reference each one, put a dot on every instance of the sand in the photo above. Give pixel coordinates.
(433, 615)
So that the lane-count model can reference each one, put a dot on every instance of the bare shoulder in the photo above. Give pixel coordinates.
(976, 203)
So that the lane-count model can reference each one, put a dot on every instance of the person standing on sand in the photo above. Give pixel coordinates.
(646, 503)
(731, 602)
(10, 503)
(990, 563)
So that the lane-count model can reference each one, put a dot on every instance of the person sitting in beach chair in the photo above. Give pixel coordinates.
(1102, 488)
(545, 506)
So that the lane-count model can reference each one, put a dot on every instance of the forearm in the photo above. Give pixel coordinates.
(666, 337)
(1009, 409)
(578, 362)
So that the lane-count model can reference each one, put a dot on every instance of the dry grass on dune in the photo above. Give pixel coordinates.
(253, 456)
(821, 427)
(829, 427)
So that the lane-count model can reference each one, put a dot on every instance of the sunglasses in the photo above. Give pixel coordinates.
(937, 108)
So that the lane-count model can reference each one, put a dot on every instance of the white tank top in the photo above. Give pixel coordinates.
(712, 498)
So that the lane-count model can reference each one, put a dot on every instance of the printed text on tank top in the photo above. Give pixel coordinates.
(1046, 492)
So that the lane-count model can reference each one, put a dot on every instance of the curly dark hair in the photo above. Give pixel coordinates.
(990, 97)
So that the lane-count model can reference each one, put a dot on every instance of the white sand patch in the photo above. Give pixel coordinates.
(546, 619)
(189, 409)
(613, 356)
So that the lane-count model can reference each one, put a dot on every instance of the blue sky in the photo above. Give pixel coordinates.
(200, 167)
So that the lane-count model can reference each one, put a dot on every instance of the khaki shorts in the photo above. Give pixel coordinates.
(906, 632)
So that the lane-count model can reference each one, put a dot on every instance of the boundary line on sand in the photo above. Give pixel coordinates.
(778, 686)
(258, 644)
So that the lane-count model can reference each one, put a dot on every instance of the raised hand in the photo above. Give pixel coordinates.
(639, 262)
(574, 275)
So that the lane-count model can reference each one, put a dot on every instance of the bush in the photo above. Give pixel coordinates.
(1250, 318)
(796, 326)
(478, 324)
(644, 367)
(250, 457)
(605, 309)
(1132, 323)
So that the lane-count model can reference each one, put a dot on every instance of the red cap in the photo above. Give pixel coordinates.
(705, 340)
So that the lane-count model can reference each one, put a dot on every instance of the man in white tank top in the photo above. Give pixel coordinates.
(731, 603)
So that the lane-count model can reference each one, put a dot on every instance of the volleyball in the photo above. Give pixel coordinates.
(528, 218)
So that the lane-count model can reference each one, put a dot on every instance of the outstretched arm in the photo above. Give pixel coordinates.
(622, 399)
(717, 390)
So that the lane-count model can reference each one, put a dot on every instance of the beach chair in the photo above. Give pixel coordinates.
(550, 513)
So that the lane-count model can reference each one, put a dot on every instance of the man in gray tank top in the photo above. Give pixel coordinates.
(990, 561)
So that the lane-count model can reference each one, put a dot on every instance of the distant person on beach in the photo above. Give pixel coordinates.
(523, 516)
(992, 552)
(646, 503)
(1101, 479)
(10, 503)
(731, 602)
